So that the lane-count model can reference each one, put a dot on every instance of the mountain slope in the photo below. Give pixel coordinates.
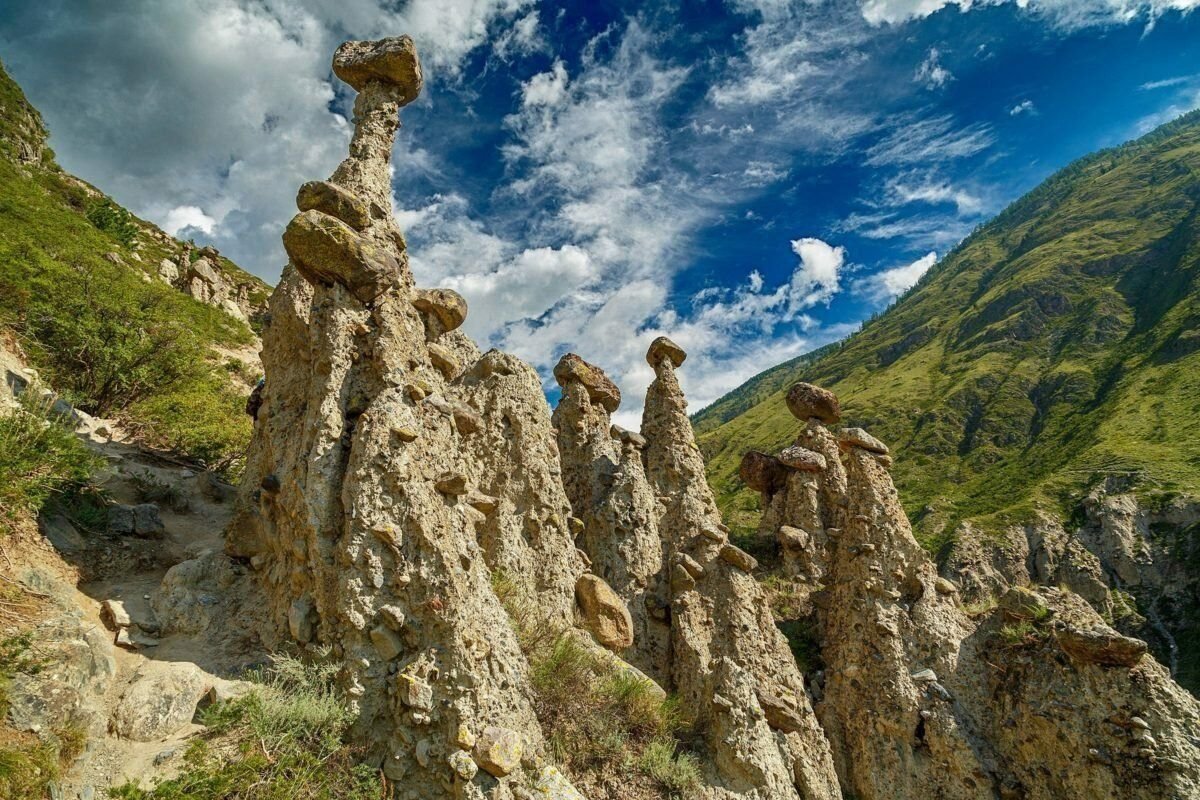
(1059, 344)
(110, 308)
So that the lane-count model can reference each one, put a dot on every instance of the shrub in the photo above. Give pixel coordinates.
(39, 458)
(113, 220)
(283, 740)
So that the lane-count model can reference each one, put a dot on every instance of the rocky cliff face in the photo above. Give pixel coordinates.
(396, 475)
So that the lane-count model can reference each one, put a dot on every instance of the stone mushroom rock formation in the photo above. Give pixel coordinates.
(1034, 700)
(727, 653)
(367, 540)
(611, 497)
(599, 388)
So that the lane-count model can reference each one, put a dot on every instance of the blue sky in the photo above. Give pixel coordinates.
(750, 177)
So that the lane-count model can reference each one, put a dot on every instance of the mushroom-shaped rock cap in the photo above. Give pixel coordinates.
(599, 388)
(447, 305)
(761, 472)
(392, 61)
(661, 348)
(806, 401)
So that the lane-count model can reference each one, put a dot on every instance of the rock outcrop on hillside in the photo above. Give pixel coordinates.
(1036, 698)
(398, 478)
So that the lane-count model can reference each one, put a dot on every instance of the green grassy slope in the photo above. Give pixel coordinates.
(1057, 344)
(79, 288)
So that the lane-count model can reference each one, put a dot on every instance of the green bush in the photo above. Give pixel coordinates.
(284, 740)
(39, 458)
(113, 220)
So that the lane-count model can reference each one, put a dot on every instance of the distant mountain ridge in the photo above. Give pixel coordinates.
(1058, 344)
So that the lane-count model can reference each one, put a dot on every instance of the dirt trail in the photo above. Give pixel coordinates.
(190, 634)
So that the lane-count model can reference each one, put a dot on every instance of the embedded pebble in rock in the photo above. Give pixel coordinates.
(498, 750)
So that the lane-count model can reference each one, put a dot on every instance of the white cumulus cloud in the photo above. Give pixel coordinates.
(886, 285)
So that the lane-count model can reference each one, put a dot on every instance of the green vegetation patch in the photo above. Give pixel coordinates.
(285, 740)
(39, 459)
(1053, 348)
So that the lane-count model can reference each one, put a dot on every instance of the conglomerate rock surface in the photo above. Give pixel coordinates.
(398, 477)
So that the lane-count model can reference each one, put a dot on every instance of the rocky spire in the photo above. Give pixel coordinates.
(393, 473)
(1034, 699)
(730, 665)
(606, 483)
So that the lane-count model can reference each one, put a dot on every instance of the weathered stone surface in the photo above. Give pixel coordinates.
(599, 388)
(326, 250)
(604, 613)
(498, 750)
(160, 699)
(446, 307)
(661, 348)
(761, 472)
(802, 459)
(857, 437)
(1020, 603)
(391, 61)
(331, 199)
(1100, 645)
(114, 615)
(444, 361)
(146, 520)
(806, 401)
(120, 520)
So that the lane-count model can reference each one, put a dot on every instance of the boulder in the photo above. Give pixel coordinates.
(857, 437)
(807, 401)
(120, 520)
(599, 388)
(146, 521)
(159, 700)
(446, 306)
(661, 348)
(604, 613)
(392, 61)
(802, 459)
(114, 615)
(498, 750)
(1100, 645)
(331, 199)
(326, 250)
(761, 472)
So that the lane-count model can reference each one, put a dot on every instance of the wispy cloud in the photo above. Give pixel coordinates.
(928, 140)
(931, 74)
(1023, 107)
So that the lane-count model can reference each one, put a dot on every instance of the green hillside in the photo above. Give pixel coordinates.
(1058, 344)
(80, 291)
